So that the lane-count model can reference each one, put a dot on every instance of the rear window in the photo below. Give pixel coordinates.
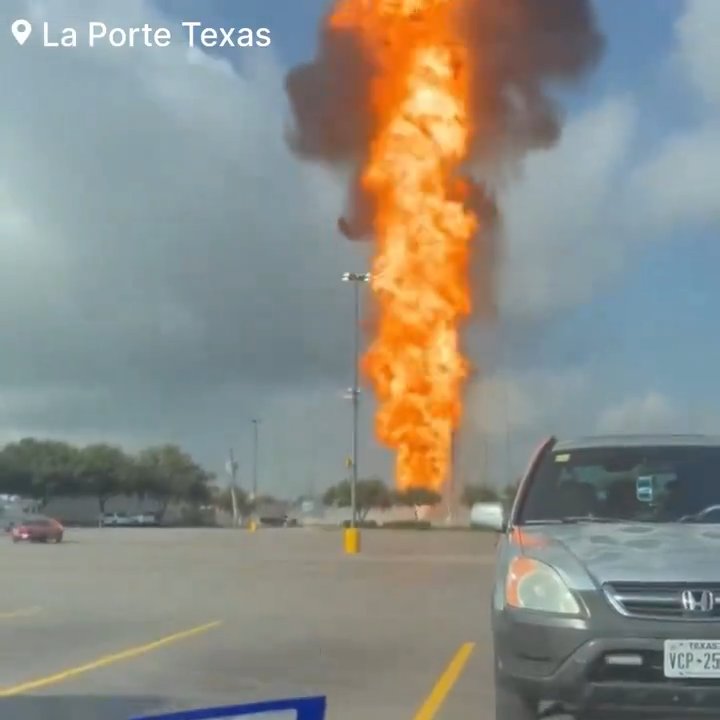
(652, 484)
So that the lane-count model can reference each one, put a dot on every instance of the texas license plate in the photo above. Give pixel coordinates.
(692, 659)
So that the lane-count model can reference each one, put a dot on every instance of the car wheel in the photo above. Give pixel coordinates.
(59, 538)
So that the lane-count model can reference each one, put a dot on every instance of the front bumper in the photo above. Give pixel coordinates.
(560, 664)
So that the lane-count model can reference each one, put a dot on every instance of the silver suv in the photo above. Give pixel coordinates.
(607, 593)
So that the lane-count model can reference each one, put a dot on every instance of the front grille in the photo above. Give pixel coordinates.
(662, 600)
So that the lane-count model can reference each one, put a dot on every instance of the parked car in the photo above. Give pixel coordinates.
(121, 519)
(606, 600)
(144, 519)
(37, 530)
(118, 519)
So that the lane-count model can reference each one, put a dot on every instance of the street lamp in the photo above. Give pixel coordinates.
(355, 279)
(256, 426)
(232, 467)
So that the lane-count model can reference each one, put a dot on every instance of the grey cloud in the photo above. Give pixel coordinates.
(166, 266)
(161, 233)
(698, 49)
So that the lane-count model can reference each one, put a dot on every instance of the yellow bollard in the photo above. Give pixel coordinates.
(351, 541)
(252, 526)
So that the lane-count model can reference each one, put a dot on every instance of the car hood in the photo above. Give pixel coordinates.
(669, 552)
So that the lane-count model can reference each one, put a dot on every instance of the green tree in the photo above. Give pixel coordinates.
(15, 479)
(416, 496)
(199, 491)
(264, 500)
(370, 493)
(222, 498)
(166, 473)
(42, 468)
(103, 471)
(479, 493)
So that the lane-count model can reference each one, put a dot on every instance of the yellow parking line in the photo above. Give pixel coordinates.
(105, 660)
(445, 683)
(23, 612)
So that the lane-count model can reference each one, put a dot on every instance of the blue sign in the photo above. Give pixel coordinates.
(309, 708)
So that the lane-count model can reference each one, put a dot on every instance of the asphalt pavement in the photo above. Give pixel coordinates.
(120, 623)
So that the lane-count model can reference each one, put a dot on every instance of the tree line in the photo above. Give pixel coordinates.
(42, 469)
(373, 493)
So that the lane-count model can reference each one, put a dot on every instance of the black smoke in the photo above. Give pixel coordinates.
(520, 50)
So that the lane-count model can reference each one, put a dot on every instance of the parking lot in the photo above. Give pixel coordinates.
(117, 623)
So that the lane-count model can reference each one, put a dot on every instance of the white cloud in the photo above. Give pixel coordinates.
(678, 184)
(649, 413)
(576, 209)
(698, 47)
(561, 234)
(503, 403)
(506, 416)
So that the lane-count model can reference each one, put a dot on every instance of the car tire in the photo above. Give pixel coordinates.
(59, 538)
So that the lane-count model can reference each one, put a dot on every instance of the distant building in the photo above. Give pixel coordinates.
(273, 512)
(85, 510)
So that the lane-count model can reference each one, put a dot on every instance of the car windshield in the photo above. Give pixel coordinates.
(625, 484)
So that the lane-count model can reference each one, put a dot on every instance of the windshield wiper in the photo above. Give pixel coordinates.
(570, 519)
(574, 519)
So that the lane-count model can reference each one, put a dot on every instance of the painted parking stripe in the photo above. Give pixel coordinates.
(445, 683)
(22, 612)
(106, 660)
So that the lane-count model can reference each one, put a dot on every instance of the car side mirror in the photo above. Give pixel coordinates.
(489, 515)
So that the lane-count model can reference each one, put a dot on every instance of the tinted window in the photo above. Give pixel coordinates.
(652, 484)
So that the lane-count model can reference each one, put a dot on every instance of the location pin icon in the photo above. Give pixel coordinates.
(21, 30)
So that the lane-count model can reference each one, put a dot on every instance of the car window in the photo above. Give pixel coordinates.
(652, 484)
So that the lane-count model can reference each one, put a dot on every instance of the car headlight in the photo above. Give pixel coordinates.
(533, 585)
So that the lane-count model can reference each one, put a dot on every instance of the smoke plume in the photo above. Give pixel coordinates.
(519, 50)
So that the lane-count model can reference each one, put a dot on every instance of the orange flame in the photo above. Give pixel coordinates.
(421, 135)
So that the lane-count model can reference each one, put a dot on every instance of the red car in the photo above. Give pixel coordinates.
(38, 530)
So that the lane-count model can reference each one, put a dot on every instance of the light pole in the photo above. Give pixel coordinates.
(256, 426)
(232, 468)
(451, 485)
(355, 279)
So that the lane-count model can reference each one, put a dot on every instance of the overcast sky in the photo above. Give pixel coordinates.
(169, 271)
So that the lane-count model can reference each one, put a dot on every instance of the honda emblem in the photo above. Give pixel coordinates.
(698, 601)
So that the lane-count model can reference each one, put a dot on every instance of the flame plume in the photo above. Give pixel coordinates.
(420, 98)
(409, 93)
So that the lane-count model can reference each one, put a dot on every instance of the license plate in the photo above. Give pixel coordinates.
(692, 659)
